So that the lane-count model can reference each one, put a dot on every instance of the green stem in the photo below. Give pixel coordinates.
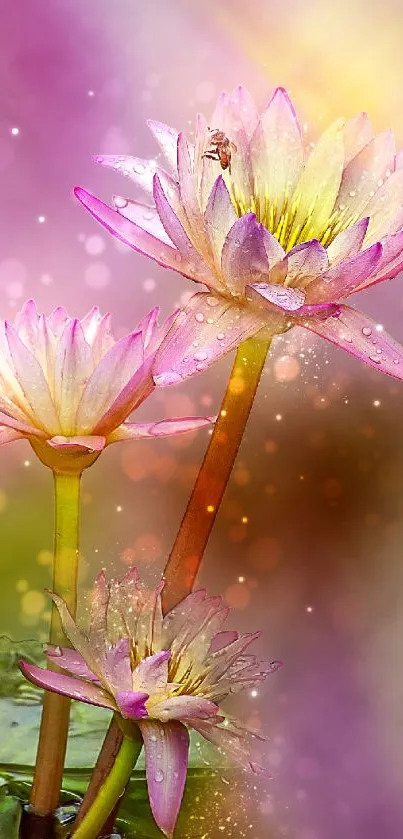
(56, 709)
(187, 553)
(111, 790)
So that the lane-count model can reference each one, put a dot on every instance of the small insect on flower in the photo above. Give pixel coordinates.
(221, 148)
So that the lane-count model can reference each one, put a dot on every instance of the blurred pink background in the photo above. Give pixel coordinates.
(308, 544)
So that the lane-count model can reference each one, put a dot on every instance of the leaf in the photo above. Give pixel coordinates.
(10, 817)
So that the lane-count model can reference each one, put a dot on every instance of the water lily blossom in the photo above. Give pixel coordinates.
(165, 673)
(68, 386)
(279, 232)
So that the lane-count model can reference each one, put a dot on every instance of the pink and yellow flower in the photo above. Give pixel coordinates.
(68, 386)
(280, 236)
(165, 673)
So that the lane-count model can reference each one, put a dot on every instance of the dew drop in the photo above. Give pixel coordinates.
(176, 775)
(167, 378)
(153, 738)
(199, 317)
(347, 338)
(220, 336)
(375, 359)
(200, 356)
(120, 203)
(178, 257)
(212, 301)
(352, 193)
(139, 168)
(395, 361)
(158, 776)
(366, 331)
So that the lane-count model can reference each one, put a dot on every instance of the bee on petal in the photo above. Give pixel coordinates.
(221, 148)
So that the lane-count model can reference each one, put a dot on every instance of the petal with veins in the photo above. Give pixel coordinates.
(108, 380)
(132, 704)
(343, 279)
(219, 217)
(138, 170)
(207, 328)
(356, 334)
(179, 707)
(143, 215)
(72, 661)
(167, 139)
(276, 149)
(166, 752)
(356, 134)
(137, 238)
(163, 428)
(361, 177)
(67, 686)
(283, 298)
(348, 243)
(31, 378)
(244, 257)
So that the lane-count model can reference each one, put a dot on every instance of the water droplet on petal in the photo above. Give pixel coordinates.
(352, 193)
(199, 317)
(200, 356)
(119, 202)
(212, 301)
(220, 336)
(366, 331)
(375, 359)
(178, 257)
(167, 378)
(139, 168)
(153, 738)
(158, 776)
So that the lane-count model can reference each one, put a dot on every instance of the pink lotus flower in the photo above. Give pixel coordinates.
(277, 235)
(165, 673)
(68, 385)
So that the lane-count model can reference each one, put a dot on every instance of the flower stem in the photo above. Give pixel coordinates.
(112, 789)
(56, 709)
(186, 555)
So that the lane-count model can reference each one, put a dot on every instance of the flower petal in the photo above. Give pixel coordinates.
(76, 637)
(70, 686)
(72, 661)
(356, 134)
(166, 749)
(219, 217)
(135, 237)
(190, 199)
(176, 230)
(142, 215)
(348, 243)
(283, 298)
(31, 378)
(391, 262)
(138, 170)
(206, 329)
(361, 177)
(318, 186)
(241, 746)
(151, 674)
(8, 435)
(131, 704)
(244, 256)
(73, 367)
(163, 428)
(108, 380)
(343, 279)
(385, 209)
(356, 334)
(182, 706)
(276, 150)
(305, 262)
(167, 139)
(78, 443)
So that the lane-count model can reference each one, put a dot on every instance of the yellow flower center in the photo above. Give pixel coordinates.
(279, 217)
